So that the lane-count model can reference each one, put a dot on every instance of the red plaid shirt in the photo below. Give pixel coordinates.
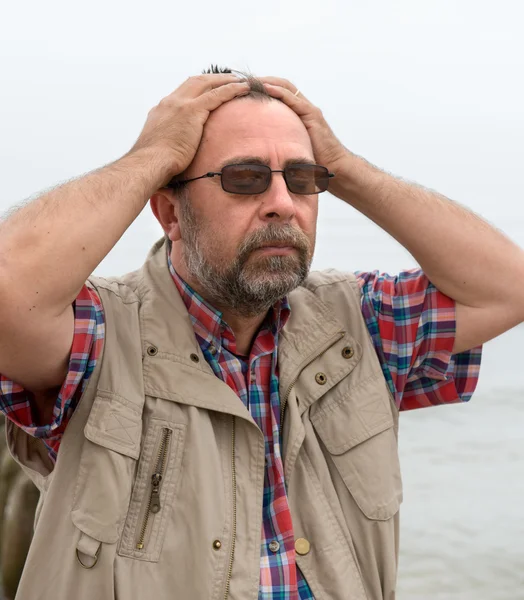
(413, 329)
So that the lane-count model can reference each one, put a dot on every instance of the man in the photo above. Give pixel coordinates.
(220, 424)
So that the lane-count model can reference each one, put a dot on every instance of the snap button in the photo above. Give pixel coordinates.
(194, 357)
(217, 544)
(347, 352)
(274, 546)
(152, 350)
(302, 546)
(320, 378)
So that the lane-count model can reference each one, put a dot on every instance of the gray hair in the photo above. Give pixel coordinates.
(257, 91)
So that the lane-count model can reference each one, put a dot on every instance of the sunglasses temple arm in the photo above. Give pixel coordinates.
(177, 182)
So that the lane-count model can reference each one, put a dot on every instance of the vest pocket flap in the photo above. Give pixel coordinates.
(115, 423)
(353, 416)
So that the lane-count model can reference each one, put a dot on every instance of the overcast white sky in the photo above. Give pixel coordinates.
(431, 90)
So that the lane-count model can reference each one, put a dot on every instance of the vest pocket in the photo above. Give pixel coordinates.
(358, 431)
(153, 492)
(107, 464)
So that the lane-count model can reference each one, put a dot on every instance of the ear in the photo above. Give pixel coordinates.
(165, 205)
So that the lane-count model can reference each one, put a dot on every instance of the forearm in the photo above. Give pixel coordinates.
(49, 247)
(462, 255)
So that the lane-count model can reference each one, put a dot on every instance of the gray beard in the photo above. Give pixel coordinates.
(247, 289)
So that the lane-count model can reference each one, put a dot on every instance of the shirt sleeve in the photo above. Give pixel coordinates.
(16, 402)
(413, 327)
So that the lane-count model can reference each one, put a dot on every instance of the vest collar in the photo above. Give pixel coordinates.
(311, 329)
(177, 359)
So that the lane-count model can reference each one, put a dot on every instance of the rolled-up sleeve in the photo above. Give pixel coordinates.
(16, 402)
(413, 327)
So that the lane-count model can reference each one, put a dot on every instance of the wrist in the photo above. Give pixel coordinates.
(347, 173)
(355, 178)
(156, 165)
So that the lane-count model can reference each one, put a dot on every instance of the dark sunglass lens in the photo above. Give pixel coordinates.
(245, 179)
(307, 179)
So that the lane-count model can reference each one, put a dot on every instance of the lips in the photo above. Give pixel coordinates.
(276, 245)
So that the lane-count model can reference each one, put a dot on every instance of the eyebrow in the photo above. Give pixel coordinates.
(260, 160)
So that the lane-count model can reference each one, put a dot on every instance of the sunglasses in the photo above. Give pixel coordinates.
(255, 179)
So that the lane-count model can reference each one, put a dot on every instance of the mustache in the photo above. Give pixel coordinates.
(282, 235)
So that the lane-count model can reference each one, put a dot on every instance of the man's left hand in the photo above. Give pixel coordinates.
(328, 150)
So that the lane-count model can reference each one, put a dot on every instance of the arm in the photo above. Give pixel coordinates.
(46, 414)
(47, 251)
(461, 254)
(51, 246)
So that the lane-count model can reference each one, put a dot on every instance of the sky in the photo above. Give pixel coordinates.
(430, 91)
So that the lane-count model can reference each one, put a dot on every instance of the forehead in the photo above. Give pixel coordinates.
(247, 127)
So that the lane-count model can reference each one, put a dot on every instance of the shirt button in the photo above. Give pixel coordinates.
(212, 349)
(274, 546)
(253, 377)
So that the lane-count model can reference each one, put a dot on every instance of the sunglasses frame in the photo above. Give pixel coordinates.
(176, 183)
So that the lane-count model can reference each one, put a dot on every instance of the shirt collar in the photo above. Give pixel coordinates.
(208, 322)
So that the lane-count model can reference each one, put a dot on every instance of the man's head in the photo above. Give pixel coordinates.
(243, 252)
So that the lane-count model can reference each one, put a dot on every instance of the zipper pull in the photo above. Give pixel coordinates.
(155, 493)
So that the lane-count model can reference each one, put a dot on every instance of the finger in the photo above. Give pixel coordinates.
(300, 104)
(200, 84)
(280, 82)
(204, 83)
(212, 99)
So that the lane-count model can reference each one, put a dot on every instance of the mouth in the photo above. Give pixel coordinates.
(276, 249)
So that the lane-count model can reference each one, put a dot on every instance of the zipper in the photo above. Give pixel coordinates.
(234, 498)
(153, 505)
(319, 352)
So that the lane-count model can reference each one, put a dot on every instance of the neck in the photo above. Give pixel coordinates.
(243, 327)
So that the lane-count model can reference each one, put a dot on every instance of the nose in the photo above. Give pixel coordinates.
(277, 204)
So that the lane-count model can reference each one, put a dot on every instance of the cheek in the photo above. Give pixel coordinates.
(220, 241)
(231, 226)
(307, 219)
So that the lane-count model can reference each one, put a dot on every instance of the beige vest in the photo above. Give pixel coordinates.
(158, 483)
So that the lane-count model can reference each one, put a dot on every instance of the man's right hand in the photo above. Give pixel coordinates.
(176, 124)
(52, 245)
